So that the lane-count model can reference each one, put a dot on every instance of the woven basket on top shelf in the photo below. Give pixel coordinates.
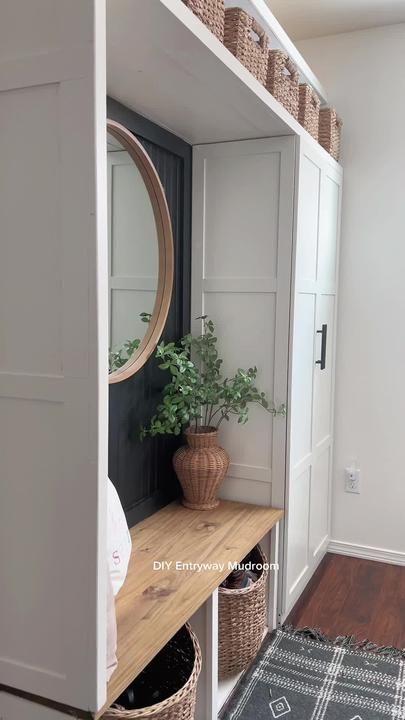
(308, 114)
(246, 39)
(212, 14)
(242, 618)
(172, 675)
(283, 80)
(330, 131)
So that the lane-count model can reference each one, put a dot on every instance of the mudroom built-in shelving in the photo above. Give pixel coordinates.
(265, 246)
(153, 604)
(200, 91)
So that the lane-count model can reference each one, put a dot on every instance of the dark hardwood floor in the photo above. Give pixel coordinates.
(348, 596)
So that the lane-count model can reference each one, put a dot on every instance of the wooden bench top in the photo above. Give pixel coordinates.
(156, 601)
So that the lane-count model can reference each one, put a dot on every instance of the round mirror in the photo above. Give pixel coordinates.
(141, 257)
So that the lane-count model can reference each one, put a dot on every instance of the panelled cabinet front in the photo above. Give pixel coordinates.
(312, 359)
(266, 273)
(53, 354)
(243, 195)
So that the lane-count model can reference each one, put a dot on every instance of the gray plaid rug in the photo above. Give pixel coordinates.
(299, 675)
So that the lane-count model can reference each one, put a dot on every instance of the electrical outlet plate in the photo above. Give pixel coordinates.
(352, 480)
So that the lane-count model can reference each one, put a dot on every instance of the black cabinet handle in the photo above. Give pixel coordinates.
(324, 333)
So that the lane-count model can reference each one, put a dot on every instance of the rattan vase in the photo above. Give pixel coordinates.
(201, 465)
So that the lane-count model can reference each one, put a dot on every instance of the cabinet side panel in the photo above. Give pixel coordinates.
(53, 350)
(242, 238)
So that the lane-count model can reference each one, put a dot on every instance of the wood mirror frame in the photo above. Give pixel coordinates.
(165, 248)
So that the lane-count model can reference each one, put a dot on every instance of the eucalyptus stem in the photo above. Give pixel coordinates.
(197, 393)
(222, 407)
(212, 414)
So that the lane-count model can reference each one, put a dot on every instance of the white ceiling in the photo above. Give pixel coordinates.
(313, 18)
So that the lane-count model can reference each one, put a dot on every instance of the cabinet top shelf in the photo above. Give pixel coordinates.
(154, 603)
(165, 64)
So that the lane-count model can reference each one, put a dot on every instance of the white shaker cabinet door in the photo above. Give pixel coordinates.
(243, 202)
(53, 350)
(312, 368)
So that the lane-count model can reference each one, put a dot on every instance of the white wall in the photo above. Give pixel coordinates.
(365, 78)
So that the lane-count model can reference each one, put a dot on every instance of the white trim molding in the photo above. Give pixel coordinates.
(250, 472)
(366, 552)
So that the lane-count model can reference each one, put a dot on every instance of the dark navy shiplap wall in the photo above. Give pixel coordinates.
(142, 471)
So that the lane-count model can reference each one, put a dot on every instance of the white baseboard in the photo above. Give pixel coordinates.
(392, 557)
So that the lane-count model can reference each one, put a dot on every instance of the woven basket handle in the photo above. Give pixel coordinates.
(291, 68)
(257, 28)
(314, 99)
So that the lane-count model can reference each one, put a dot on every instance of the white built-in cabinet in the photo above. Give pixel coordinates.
(311, 377)
(242, 232)
(265, 263)
(53, 354)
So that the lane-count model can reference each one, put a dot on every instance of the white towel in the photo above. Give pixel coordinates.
(119, 545)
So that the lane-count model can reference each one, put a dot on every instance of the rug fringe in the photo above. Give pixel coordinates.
(348, 641)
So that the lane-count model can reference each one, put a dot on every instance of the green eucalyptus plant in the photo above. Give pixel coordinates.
(198, 395)
(118, 357)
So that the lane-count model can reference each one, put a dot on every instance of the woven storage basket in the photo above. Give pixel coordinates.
(212, 14)
(178, 666)
(308, 114)
(330, 131)
(242, 621)
(283, 80)
(239, 37)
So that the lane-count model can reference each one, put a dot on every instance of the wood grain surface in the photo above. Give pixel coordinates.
(350, 596)
(153, 604)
